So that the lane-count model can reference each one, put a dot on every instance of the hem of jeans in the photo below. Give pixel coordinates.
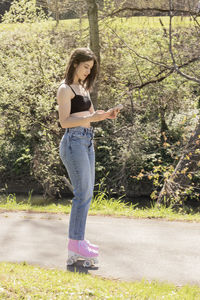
(76, 238)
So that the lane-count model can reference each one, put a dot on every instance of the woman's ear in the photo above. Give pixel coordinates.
(75, 65)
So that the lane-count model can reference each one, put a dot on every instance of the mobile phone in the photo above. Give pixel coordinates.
(119, 106)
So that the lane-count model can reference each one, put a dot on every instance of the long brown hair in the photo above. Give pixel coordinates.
(78, 56)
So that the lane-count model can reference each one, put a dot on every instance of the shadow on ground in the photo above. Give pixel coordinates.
(78, 268)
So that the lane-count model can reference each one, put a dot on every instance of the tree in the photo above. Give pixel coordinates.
(153, 7)
(94, 38)
(94, 28)
(179, 185)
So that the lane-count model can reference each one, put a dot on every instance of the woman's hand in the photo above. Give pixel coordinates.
(99, 115)
(113, 113)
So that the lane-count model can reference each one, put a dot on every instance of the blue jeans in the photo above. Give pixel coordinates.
(78, 156)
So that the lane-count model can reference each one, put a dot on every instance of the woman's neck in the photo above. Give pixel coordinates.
(77, 83)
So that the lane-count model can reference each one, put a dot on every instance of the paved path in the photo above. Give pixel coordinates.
(130, 249)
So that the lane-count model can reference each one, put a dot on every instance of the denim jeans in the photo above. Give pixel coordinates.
(78, 156)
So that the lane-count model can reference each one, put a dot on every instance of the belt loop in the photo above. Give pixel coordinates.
(67, 129)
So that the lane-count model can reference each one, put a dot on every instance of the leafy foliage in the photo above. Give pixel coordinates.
(29, 123)
(23, 11)
(150, 132)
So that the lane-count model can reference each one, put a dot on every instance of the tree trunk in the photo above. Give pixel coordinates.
(94, 27)
(57, 13)
(94, 39)
(175, 188)
(81, 22)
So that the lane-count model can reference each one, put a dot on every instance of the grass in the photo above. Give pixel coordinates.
(101, 205)
(134, 23)
(41, 26)
(22, 281)
(151, 22)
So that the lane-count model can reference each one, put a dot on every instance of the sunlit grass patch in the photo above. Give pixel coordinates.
(71, 24)
(101, 204)
(138, 22)
(22, 281)
(110, 205)
(144, 22)
(32, 203)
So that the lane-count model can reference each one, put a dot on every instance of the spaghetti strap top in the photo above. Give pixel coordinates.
(79, 103)
(72, 89)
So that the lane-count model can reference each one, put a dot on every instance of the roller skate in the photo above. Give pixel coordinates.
(92, 246)
(80, 250)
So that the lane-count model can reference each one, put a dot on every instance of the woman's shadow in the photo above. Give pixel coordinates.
(78, 267)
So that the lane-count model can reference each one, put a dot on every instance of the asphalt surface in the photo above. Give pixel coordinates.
(130, 249)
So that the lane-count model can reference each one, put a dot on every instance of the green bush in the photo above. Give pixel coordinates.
(23, 11)
(151, 130)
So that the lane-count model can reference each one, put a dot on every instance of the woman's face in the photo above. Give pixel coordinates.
(82, 70)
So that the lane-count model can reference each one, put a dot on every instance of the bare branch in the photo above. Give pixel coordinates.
(163, 26)
(137, 54)
(157, 76)
(68, 184)
(160, 79)
(151, 9)
(176, 68)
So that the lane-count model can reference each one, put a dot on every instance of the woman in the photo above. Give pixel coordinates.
(76, 113)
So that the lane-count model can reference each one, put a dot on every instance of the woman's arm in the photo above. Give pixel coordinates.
(91, 110)
(64, 96)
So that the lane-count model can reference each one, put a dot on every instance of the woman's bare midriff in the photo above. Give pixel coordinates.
(82, 114)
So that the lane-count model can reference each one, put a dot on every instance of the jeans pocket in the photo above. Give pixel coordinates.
(63, 146)
(62, 149)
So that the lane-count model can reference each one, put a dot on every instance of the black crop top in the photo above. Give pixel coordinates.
(79, 103)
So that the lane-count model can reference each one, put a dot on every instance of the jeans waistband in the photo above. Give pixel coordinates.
(80, 129)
